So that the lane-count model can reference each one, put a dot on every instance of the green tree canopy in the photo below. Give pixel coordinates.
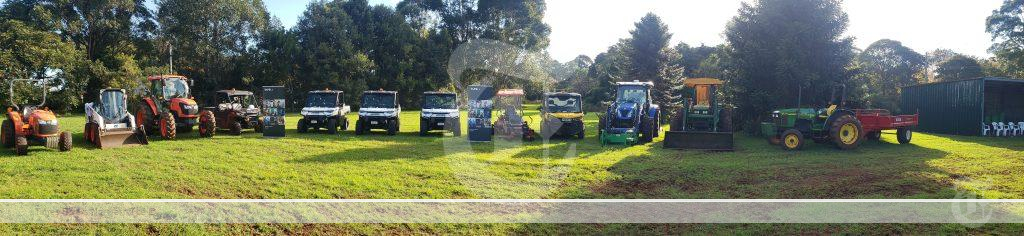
(958, 67)
(888, 66)
(1005, 26)
(651, 59)
(787, 53)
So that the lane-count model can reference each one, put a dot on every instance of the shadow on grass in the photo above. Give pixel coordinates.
(764, 171)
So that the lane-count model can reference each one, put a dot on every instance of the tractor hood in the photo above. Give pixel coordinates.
(47, 122)
(186, 107)
(626, 111)
(440, 113)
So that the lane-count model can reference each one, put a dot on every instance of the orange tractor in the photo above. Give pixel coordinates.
(169, 108)
(32, 125)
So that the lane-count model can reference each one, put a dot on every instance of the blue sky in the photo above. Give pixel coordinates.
(589, 27)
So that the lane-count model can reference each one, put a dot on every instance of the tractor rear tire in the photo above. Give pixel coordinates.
(65, 141)
(144, 117)
(20, 146)
(846, 132)
(793, 140)
(7, 134)
(903, 135)
(236, 128)
(167, 126)
(302, 127)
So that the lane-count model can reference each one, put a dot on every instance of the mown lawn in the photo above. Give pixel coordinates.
(410, 166)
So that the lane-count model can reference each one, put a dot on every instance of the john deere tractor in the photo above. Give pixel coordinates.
(703, 122)
(832, 124)
(562, 115)
(632, 118)
(170, 108)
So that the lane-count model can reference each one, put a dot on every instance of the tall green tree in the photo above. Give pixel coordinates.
(29, 53)
(213, 40)
(328, 56)
(787, 53)
(692, 57)
(888, 66)
(1005, 26)
(651, 59)
(608, 67)
(959, 67)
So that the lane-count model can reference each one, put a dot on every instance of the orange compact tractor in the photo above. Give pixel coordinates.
(32, 125)
(169, 108)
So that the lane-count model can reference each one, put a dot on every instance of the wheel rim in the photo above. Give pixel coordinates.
(848, 134)
(792, 141)
(907, 134)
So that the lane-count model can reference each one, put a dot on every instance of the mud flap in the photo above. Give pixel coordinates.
(704, 141)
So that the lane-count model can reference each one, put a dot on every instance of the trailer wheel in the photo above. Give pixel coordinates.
(20, 146)
(846, 132)
(903, 135)
(64, 144)
(877, 135)
(167, 129)
(793, 140)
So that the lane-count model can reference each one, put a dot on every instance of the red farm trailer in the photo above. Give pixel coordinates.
(874, 121)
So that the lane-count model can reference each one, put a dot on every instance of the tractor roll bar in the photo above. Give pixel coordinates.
(42, 81)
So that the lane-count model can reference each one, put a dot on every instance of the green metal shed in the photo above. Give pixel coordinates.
(961, 107)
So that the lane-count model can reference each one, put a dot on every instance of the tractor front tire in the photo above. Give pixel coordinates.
(64, 144)
(393, 127)
(208, 124)
(359, 127)
(332, 126)
(302, 127)
(793, 140)
(236, 128)
(7, 134)
(167, 126)
(648, 128)
(144, 118)
(20, 146)
(903, 135)
(846, 132)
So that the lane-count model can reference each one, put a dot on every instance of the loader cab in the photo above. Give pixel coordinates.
(168, 87)
(113, 106)
(636, 94)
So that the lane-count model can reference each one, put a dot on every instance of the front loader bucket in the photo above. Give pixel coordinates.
(126, 138)
(705, 141)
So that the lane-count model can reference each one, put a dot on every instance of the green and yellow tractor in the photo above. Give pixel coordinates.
(832, 124)
(703, 122)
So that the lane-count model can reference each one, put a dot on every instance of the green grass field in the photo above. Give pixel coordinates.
(408, 166)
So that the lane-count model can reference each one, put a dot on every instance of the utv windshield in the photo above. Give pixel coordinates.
(563, 104)
(113, 105)
(378, 100)
(439, 101)
(634, 94)
(175, 88)
(322, 100)
(245, 100)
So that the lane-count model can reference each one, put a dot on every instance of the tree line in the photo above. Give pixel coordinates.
(778, 53)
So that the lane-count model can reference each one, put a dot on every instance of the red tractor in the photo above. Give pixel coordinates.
(169, 108)
(32, 125)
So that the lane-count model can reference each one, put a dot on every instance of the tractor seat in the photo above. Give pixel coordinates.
(28, 110)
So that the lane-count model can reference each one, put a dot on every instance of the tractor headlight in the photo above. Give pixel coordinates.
(48, 122)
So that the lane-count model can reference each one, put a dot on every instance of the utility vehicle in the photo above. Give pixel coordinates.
(108, 124)
(237, 110)
(440, 112)
(379, 110)
(563, 115)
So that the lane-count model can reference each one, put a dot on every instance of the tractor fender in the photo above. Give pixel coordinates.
(16, 118)
(152, 106)
(838, 113)
(653, 111)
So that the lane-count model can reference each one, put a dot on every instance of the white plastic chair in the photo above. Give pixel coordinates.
(985, 129)
(998, 129)
(1020, 128)
(1011, 129)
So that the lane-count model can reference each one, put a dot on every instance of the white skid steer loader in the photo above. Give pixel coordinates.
(108, 123)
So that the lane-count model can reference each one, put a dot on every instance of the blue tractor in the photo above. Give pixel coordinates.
(632, 118)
